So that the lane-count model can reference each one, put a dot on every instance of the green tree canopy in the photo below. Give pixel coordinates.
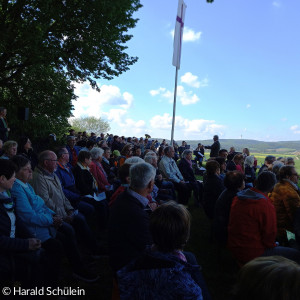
(90, 124)
(45, 45)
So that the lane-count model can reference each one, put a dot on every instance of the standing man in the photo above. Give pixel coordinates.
(4, 129)
(215, 147)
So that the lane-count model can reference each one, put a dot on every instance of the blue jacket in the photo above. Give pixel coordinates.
(67, 181)
(158, 276)
(32, 211)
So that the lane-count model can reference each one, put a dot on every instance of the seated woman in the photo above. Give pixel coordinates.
(18, 247)
(237, 163)
(260, 278)
(126, 152)
(9, 149)
(286, 199)
(98, 171)
(88, 186)
(186, 169)
(42, 222)
(25, 149)
(164, 271)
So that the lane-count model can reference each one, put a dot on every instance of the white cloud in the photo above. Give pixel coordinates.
(192, 80)
(189, 35)
(295, 129)
(276, 4)
(157, 92)
(248, 105)
(189, 128)
(90, 102)
(186, 98)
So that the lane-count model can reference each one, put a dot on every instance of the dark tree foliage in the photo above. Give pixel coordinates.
(47, 44)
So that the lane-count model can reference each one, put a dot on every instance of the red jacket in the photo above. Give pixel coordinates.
(99, 176)
(252, 225)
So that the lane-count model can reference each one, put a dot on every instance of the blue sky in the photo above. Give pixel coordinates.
(239, 74)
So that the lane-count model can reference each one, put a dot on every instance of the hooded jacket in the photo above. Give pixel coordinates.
(252, 225)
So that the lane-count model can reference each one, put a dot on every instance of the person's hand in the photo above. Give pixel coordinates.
(159, 177)
(34, 244)
(69, 217)
(182, 182)
(153, 206)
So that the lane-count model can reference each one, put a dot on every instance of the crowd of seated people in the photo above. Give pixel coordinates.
(65, 197)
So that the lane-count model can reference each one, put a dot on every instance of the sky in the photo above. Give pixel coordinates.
(239, 75)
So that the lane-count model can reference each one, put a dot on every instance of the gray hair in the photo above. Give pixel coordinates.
(151, 153)
(276, 166)
(249, 160)
(96, 152)
(150, 158)
(8, 144)
(140, 175)
(186, 152)
(44, 156)
(134, 160)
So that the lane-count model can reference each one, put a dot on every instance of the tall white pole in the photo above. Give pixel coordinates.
(174, 108)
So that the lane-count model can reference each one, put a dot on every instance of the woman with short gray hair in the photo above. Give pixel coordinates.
(249, 171)
(186, 168)
(98, 171)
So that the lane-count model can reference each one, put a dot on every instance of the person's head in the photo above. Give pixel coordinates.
(183, 143)
(232, 150)
(288, 172)
(127, 150)
(249, 161)
(102, 144)
(234, 180)
(134, 160)
(3, 112)
(71, 141)
(84, 158)
(212, 168)
(63, 155)
(276, 167)
(223, 153)
(269, 277)
(222, 163)
(265, 182)
(123, 173)
(269, 160)
(246, 151)
(142, 177)
(24, 143)
(151, 159)
(137, 151)
(7, 174)
(169, 151)
(97, 153)
(72, 132)
(187, 154)
(216, 138)
(10, 148)
(289, 161)
(170, 226)
(107, 152)
(47, 161)
(90, 144)
(23, 168)
(238, 159)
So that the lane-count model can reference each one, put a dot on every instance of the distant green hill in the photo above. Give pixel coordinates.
(253, 145)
